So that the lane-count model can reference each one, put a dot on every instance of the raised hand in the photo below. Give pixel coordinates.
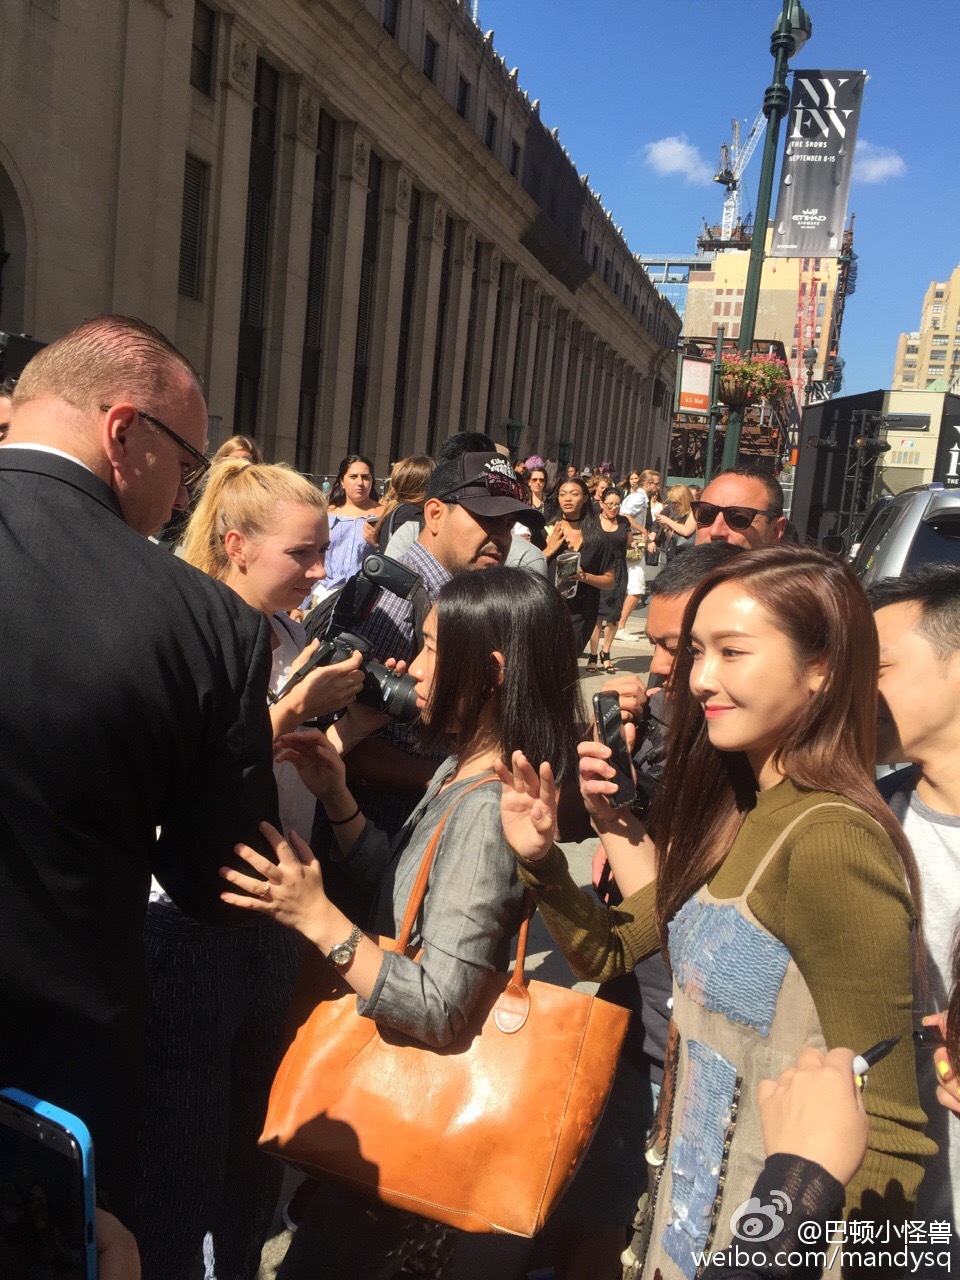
(317, 761)
(289, 890)
(528, 807)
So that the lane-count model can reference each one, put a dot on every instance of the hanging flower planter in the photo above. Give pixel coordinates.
(749, 379)
(734, 394)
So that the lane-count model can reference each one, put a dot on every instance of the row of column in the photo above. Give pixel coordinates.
(543, 366)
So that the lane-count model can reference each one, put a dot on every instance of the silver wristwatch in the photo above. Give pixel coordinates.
(342, 953)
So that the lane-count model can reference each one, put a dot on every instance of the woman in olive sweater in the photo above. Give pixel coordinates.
(780, 886)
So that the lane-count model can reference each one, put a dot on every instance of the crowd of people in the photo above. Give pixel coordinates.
(192, 802)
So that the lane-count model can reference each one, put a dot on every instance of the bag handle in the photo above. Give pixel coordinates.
(513, 1006)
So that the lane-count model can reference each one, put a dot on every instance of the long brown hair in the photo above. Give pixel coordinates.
(408, 483)
(817, 603)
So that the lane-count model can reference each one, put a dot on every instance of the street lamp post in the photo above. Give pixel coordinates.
(790, 34)
(809, 360)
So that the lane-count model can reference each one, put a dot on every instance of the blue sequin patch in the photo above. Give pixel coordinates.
(726, 964)
(697, 1153)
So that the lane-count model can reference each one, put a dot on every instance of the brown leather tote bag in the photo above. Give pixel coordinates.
(484, 1134)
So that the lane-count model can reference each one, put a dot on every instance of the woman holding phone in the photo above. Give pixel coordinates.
(497, 673)
(777, 882)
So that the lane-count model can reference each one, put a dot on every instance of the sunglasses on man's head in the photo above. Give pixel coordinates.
(496, 483)
(737, 518)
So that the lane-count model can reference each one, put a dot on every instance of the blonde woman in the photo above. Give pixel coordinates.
(218, 994)
(676, 519)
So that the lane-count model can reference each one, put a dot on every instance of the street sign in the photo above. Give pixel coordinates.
(694, 396)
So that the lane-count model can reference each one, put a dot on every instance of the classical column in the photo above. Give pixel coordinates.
(540, 395)
(613, 416)
(423, 321)
(594, 420)
(290, 256)
(227, 222)
(342, 299)
(576, 360)
(454, 348)
(584, 430)
(557, 389)
(498, 410)
(477, 387)
(526, 347)
(385, 326)
(153, 101)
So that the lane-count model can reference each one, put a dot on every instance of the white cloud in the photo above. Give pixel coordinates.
(876, 164)
(677, 155)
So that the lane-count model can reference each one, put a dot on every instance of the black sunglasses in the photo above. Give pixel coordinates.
(496, 483)
(738, 518)
(195, 473)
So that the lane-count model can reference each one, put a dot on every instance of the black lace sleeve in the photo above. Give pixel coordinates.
(774, 1242)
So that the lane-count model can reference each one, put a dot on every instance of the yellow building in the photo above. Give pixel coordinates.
(801, 305)
(932, 352)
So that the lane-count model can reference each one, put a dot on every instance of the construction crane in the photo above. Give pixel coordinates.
(734, 158)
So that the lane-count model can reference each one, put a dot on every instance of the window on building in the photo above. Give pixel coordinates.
(938, 293)
(937, 308)
(595, 256)
(430, 51)
(823, 289)
(616, 283)
(255, 249)
(490, 131)
(912, 351)
(463, 97)
(820, 309)
(515, 158)
(192, 227)
(607, 264)
(941, 340)
(583, 242)
(201, 51)
(391, 16)
(368, 276)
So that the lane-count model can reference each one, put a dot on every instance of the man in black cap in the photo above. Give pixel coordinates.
(471, 506)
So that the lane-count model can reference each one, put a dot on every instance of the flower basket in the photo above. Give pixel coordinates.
(749, 379)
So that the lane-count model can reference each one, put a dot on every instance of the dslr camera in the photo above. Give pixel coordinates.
(335, 620)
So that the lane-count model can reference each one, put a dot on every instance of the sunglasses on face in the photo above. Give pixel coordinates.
(495, 483)
(737, 518)
(193, 474)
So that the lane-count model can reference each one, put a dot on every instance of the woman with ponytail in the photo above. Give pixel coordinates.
(218, 994)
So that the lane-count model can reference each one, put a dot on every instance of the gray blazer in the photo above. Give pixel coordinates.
(471, 910)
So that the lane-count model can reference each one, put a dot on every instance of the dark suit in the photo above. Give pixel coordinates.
(132, 696)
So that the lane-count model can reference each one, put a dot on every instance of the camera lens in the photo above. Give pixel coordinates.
(388, 692)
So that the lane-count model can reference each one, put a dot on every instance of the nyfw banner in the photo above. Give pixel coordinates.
(815, 179)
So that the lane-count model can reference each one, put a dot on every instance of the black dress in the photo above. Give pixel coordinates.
(611, 602)
(595, 557)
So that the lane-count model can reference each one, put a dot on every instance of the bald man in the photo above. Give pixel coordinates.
(134, 699)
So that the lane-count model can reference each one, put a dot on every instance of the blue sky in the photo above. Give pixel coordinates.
(619, 75)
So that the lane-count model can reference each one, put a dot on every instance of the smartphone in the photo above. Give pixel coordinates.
(47, 1192)
(609, 730)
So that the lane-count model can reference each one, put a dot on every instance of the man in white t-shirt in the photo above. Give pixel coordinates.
(635, 506)
(918, 624)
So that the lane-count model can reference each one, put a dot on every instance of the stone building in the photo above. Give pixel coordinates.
(346, 212)
(930, 356)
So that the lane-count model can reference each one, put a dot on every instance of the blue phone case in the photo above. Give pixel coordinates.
(78, 1130)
